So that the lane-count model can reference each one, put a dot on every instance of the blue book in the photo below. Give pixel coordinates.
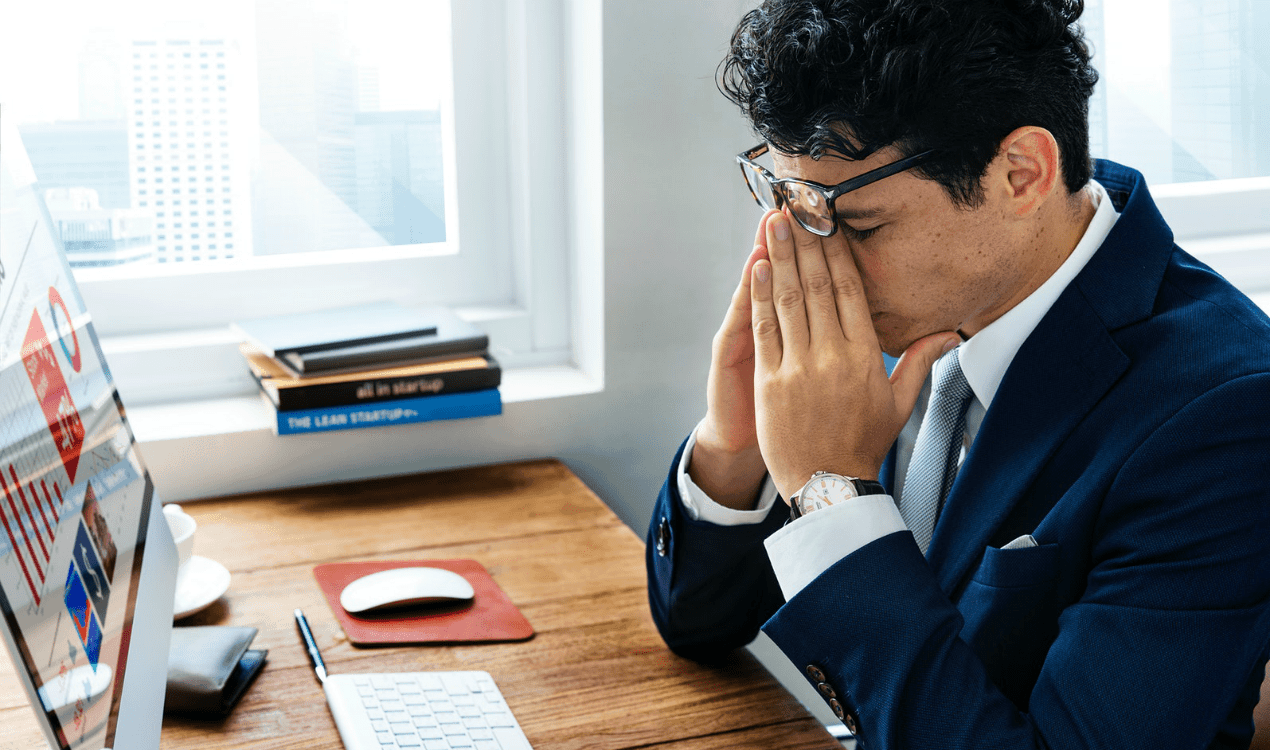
(482, 403)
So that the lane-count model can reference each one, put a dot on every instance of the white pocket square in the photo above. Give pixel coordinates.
(1022, 542)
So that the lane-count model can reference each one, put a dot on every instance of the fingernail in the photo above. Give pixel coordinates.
(950, 344)
(761, 270)
(780, 228)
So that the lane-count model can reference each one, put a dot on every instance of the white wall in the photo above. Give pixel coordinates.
(679, 225)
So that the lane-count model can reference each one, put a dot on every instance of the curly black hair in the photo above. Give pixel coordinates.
(957, 76)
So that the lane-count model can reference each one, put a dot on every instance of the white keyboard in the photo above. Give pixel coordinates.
(422, 710)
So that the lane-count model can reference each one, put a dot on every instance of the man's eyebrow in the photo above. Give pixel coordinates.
(860, 213)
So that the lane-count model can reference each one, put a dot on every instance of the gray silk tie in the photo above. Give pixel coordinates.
(934, 463)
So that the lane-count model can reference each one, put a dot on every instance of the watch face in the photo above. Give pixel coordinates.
(823, 491)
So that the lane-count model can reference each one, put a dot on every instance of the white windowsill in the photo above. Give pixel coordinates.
(222, 417)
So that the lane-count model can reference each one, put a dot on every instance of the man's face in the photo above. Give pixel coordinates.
(927, 265)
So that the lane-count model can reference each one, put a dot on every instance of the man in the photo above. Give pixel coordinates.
(1049, 525)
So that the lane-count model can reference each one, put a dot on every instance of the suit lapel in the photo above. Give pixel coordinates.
(1059, 374)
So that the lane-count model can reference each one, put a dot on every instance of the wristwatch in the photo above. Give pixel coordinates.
(825, 489)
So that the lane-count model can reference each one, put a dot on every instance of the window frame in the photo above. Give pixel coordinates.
(1225, 224)
(506, 269)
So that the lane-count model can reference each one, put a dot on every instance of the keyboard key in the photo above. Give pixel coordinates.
(374, 714)
(480, 734)
(366, 691)
(466, 711)
(498, 719)
(453, 729)
(460, 743)
(436, 745)
(485, 744)
(429, 682)
(455, 684)
(379, 726)
(402, 727)
(385, 738)
(418, 709)
(408, 741)
(369, 702)
(380, 681)
(474, 722)
(445, 717)
(431, 733)
(361, 680)
(435, 695)
(399, 715)
(511, 739)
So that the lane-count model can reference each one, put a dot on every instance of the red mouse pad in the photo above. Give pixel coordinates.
(490, 616)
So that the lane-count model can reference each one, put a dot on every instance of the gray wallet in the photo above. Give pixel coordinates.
(209, 669)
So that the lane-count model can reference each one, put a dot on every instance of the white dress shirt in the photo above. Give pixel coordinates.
(807, 547)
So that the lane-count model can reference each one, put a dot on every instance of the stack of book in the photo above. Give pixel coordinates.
(370, 366)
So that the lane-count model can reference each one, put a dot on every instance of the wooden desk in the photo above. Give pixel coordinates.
(596, 675)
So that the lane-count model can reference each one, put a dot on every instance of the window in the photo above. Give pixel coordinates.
(494, 238)
(1180, 87)
(1182, 99)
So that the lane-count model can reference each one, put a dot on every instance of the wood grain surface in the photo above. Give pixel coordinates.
(596, 675)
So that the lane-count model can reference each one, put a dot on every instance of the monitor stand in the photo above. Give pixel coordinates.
(146, 676)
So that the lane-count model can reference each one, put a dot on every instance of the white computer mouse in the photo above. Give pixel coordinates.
(404, 586)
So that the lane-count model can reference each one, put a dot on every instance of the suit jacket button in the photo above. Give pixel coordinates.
(815, 673)
(663, 538)
(838, 711)
(849, 722)
(826, 690)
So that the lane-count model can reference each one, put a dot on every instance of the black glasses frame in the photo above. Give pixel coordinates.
(829, 193)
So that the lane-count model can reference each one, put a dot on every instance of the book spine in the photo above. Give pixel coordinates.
(402, 411)
(331, 359)
(385, 389)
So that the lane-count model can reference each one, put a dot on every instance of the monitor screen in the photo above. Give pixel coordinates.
(75, 499)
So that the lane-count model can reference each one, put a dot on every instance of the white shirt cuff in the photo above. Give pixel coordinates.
(700, 507)
(803, 549)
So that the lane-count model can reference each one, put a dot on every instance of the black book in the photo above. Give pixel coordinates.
(289, 393)
(450, 340)
(361, 336)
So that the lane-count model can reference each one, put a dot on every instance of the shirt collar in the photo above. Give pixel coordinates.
(986, 355)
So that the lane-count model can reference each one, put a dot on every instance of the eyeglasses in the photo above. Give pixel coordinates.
(811, 203)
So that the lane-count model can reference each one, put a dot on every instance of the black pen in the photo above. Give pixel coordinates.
(310, 645)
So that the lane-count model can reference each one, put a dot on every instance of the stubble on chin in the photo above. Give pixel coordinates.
(892, 342)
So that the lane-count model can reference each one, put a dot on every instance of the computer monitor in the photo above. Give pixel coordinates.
(87, 564)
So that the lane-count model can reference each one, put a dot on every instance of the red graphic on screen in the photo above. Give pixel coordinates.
(54, 397)
(25, 517)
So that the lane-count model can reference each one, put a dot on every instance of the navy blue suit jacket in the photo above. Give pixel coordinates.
(1131, 437)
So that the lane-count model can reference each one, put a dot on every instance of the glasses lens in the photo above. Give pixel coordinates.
(760, 186)
(809, 207)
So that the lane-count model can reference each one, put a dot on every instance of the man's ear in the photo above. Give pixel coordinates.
(1027, 169)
